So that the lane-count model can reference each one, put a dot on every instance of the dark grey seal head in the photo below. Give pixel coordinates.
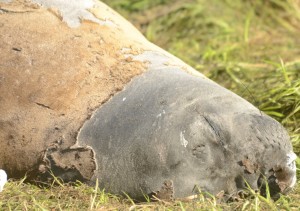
(170, 134)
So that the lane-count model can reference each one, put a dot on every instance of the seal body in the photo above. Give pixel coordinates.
(84, 95)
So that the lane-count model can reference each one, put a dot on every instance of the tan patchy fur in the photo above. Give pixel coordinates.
(51, 79)
(103, 12)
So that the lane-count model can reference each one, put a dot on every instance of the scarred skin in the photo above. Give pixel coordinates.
(85, 96)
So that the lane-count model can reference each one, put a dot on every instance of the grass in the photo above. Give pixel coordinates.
(22, 196)
(252, 47)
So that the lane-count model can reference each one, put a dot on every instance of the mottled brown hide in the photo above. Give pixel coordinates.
(52, 78)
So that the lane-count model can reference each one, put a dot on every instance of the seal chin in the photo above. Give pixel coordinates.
(290, 171)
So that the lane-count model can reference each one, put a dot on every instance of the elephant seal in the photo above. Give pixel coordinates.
(85, 96)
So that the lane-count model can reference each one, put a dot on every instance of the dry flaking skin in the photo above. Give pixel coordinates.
(85, 96)
(52, 77)
(59, 62)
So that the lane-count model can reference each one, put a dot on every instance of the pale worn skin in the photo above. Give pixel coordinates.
(52, 77)
(84, 95)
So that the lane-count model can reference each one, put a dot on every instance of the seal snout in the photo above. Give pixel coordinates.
(286, 174)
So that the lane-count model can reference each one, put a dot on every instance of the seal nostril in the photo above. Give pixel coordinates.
(278, 171)
(199, 150)
(240, 182)
(292, 165)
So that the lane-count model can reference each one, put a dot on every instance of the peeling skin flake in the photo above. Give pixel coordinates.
(73, 11)
(183, 141)
(5, 1)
